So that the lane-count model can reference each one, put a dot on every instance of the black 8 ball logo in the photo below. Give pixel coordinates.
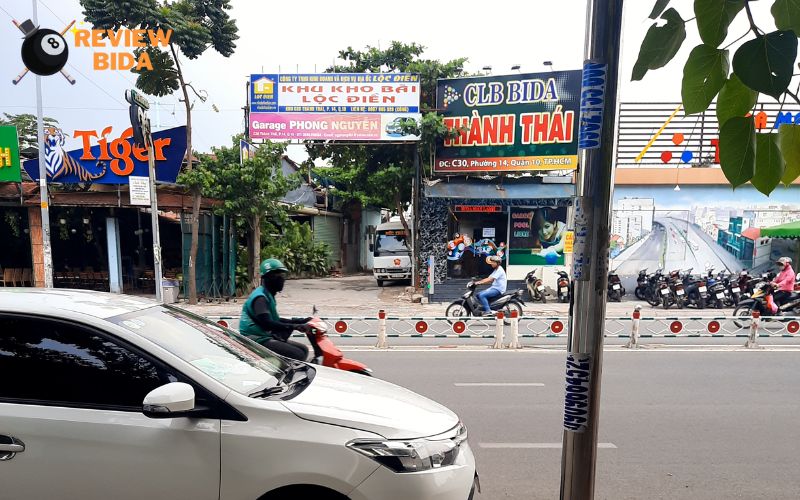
(44, 52)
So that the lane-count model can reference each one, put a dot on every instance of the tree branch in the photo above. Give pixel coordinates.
(793, 95)
(753, 26)
(745, 34)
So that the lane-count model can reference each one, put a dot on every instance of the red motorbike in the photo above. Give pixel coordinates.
(325, 351)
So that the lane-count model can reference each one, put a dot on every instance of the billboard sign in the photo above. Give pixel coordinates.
(510, 123)
(9, 155)
(109, 161)
(334, 106)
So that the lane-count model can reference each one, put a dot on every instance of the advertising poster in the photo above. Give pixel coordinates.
(334, 106)
(538, 236)
(112, 160)
(656, 227)
(9, 155)
(510, 123)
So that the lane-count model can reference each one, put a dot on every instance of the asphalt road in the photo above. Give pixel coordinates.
(674, 425)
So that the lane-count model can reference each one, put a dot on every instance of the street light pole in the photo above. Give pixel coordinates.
(43, 196)
(590, 257)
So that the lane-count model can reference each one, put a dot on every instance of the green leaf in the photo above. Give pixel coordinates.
(735, 99)
(660, 44)
(714, 17)
(765, 64)
(737, 150)
(789, 144)
(658, 8)
(786, 14)
(703, 76)
(769, 164)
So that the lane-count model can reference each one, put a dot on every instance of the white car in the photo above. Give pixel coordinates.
(109, 396)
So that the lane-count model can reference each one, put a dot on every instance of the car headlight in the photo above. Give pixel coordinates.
(413, 455)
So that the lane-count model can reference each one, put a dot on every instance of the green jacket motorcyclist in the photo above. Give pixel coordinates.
(260, 320)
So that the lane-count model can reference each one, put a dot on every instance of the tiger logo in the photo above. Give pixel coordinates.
(58, 163)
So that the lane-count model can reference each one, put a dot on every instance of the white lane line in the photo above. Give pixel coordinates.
(498, 384)
(537, 446)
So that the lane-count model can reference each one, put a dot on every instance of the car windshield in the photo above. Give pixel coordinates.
(393, 243)
(220, 353)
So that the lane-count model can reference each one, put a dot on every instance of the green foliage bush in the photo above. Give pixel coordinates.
(298, 251)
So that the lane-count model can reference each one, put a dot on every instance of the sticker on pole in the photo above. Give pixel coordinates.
(576, 399)
(593, 100)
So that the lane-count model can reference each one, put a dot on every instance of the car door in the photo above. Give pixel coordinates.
(71, 425)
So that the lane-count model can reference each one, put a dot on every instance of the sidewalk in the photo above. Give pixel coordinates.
(360, 296)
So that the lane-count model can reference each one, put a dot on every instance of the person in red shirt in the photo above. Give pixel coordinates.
(784, 282)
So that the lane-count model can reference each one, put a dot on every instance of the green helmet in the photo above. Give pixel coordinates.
(271, 265)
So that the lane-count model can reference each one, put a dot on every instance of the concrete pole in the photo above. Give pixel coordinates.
(43, 196)
(590, 258)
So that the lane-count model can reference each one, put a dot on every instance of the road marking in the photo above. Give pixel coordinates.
(498, 384)
(537, 446)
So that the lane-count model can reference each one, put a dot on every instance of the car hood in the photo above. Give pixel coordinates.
(360, 402)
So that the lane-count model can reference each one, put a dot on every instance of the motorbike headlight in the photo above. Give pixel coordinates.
(413, 455)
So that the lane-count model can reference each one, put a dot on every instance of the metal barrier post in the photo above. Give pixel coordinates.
(498, 331)
(633, 343)
(382, 330)
(752, 342)
(514, 342)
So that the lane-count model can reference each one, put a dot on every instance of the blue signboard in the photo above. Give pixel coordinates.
(109, 161)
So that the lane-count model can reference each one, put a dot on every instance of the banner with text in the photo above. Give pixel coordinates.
(334, 106)
(112, 160)
(510, 123)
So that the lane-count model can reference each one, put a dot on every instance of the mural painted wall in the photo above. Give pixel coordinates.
(657, 227)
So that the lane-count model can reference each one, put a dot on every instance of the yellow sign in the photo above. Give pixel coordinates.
(569, 241)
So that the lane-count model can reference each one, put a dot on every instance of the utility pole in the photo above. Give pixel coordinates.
(590, 258)
(43, 195)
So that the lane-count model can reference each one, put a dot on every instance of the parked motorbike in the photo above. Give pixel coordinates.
(656, 282)
(733, 291)
(469, 305)
(672, 291)
(615, 289)
(696, 290)
(536, 288)
(716, 296)
(641, 285)
(563, 286)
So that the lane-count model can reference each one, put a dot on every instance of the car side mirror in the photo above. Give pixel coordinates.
(172, 400)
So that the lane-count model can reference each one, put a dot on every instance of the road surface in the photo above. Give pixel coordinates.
(699, 425)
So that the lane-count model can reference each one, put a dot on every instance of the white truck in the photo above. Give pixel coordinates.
(391, 253)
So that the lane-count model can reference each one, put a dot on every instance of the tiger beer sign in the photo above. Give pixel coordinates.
(106, 157)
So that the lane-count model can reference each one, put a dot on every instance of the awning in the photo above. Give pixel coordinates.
(460, 188)
(790, 230)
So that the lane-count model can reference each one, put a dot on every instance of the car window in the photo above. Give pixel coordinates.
(60, 363)
(222, 354)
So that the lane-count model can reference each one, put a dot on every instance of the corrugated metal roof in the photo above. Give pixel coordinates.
(462, 188)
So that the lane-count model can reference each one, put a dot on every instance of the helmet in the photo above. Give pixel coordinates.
(784, 260)
(271, 265)
(493, 258)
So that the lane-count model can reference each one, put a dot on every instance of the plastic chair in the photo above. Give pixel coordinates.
(27, 277)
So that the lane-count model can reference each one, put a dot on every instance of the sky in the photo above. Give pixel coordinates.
(306, 35)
